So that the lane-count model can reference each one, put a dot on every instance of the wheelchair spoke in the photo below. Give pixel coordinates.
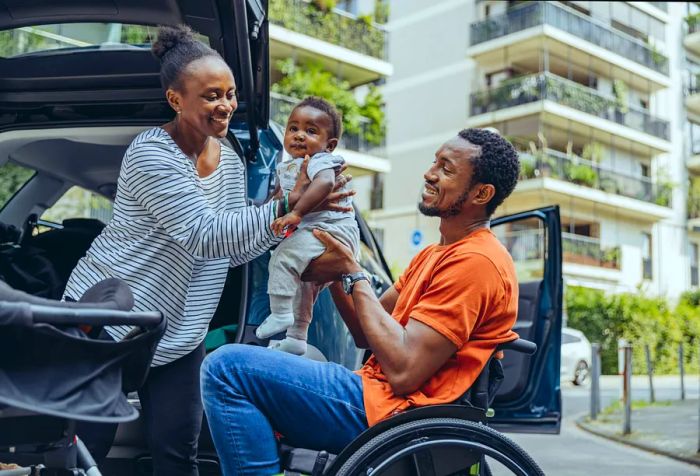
(423, 463)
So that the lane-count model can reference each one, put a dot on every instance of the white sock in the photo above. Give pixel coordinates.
(290, 345)
(279, 320)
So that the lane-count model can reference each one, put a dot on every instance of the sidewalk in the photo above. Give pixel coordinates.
(669, 428)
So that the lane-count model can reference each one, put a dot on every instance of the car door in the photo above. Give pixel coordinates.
(529, 399)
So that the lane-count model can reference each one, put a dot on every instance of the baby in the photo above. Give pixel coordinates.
(313, 129)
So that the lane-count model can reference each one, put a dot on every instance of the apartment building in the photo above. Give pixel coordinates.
(592, 95)
(346, 41)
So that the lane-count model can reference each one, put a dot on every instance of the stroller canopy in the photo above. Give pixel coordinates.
(49, 366)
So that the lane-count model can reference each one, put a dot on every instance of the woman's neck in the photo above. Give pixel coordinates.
(191, 144)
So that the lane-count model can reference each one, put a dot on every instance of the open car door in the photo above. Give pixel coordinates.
(529, 400)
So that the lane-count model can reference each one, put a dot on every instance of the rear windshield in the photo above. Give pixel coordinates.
(41, 38)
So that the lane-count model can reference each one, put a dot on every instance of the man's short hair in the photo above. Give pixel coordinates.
(496, 163)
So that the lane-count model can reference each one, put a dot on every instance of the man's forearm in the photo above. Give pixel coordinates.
(385, 336)
(346, 308)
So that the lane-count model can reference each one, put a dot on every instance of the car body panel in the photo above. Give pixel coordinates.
(529, 400)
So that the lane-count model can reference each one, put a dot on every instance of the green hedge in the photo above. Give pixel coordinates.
(605, 318)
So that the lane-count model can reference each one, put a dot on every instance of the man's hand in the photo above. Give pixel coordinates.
(290, 221)
(334, 262)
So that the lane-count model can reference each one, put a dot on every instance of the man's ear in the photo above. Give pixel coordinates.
(484, 194)
(174, 99)
(331, 145)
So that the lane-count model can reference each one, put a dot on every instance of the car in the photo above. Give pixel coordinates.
(69, 110)
(575, 356)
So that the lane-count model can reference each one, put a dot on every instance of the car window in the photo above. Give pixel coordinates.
(79, 203)
(33, 39)
(12, 178)
(569, 339)
(525, 241)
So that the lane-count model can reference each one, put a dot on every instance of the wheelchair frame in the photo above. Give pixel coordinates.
(418, 437)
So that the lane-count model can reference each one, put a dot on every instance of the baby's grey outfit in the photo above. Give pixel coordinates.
(293, 255)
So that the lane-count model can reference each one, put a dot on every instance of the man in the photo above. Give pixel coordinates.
(430, 334)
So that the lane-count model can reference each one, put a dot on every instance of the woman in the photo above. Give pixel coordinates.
(180, 220)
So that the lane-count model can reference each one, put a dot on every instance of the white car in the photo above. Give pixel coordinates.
(575, 356)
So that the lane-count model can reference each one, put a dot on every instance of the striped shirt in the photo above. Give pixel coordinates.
(173, 236)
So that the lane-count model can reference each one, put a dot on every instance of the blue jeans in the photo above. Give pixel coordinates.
(249, 392)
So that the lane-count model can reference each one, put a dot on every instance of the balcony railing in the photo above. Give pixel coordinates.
(541, 86)
(586, 250)
(281, 106)
(555, 164)
(660, 5)
(528, 245)
(337, 27)
(559, 16)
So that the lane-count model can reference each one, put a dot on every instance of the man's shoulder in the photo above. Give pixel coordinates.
(484, 253)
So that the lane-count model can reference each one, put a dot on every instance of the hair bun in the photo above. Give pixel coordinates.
(169, 37)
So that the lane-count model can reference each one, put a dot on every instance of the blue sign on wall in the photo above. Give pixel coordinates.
(416, 237)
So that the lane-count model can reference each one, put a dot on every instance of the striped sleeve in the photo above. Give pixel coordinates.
(164, 188)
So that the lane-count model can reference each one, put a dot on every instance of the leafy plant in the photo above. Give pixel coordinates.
(310, 79)
(693, 21)
(605, 318)
(621, 92)
(664, 189)
(593, 152)
(319, 20)
(693, 202)
(381, 11)
(582, 174)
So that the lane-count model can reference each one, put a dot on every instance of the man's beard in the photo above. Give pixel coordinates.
(454, 209)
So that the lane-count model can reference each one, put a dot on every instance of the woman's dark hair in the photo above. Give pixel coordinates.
(322, 105)
(176, 47)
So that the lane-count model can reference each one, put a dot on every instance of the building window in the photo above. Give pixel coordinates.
(646, 256)
(693, 254)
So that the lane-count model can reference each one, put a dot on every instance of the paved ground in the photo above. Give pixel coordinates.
(669, 427)
(577, 453)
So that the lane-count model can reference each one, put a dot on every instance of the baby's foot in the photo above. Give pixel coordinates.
(290, 345)
(274, 324)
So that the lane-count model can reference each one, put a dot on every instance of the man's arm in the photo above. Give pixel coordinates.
(408, 355)
(346, 307)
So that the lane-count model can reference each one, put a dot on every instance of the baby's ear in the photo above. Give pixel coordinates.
(331, 145)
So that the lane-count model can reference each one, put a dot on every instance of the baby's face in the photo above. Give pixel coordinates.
(308, 132)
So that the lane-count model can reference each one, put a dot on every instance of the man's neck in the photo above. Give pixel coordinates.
(453, 229)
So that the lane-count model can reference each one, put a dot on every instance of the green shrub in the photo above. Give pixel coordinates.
(310, 79)
(605, 318)
(582, 174)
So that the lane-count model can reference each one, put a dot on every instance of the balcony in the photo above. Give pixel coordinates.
(562, 18)
(354, 46)
(571, 168)
(528, 245)
(692, 95)
(363, 155)
(548, 87)
(692, 38)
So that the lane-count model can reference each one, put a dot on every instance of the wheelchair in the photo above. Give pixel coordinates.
(437, 440)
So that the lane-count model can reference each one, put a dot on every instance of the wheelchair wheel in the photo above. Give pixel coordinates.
(435, 447)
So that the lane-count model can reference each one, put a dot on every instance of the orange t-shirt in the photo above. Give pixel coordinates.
(466, 291)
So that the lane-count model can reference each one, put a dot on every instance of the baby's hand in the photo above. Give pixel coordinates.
(289, 221)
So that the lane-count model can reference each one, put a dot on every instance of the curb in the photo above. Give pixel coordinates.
(618, 439)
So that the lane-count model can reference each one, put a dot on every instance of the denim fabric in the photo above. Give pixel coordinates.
(249, 392)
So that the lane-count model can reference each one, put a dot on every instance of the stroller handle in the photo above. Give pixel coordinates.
(85, 315)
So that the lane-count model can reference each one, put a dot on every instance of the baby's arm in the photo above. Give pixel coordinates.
(313, 196)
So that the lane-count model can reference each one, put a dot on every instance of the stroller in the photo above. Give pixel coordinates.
(53, 374)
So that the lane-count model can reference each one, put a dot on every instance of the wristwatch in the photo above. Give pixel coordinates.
(349, 280)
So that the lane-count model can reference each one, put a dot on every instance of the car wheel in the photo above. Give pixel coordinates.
(581, 373)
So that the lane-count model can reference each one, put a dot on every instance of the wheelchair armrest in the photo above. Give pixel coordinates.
(519, 345)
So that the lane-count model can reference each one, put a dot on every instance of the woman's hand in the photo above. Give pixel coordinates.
(331, 201)
(333, 263)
